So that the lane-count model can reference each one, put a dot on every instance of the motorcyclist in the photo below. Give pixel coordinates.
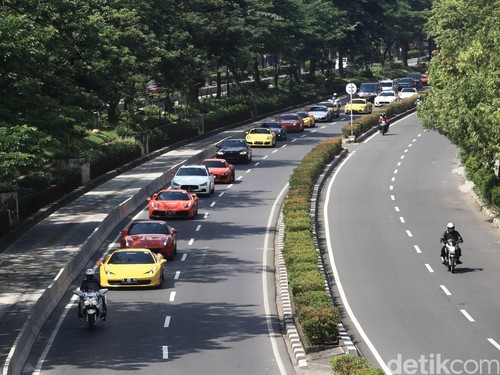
(451, 233)
(92, 284)
(383, 123)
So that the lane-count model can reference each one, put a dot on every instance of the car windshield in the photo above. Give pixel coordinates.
(407, 89)
(288, 117)
(214, 164)
(368, 87)
(358, 101)
(273, 125)
(325, 104)
(303, 114)
(233, 143)
(172, 196)
(318, 109)
(387, 93)
(405, 80)
(413, 75)
(259, 131)
(131, 257)
(148, 228)
(386, 84)
(191, 171)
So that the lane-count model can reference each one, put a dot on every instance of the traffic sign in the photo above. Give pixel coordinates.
(350, 88)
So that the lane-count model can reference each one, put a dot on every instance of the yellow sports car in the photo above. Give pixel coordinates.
(358, 105)
(125, 268)
(261, 137)
(309, 121)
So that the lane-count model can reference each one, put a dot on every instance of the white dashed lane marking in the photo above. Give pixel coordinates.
(494, 343)
(466, 314)
(445, 290)
(429, 268)
(167, 322)
(417, 249)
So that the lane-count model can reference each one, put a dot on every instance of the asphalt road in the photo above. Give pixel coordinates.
(219, 296)
(385, 210)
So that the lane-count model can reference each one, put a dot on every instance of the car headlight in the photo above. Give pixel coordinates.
(243, 152)
(150, 272)
(219, 153)
(154, 205)
(268, 137)
(165, 242)
(187, 205)
(204, 184)
(175, 184)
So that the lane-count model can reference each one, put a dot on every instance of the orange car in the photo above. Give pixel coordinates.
(221, 169)
(173, 203)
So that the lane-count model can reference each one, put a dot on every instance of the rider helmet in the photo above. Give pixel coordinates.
(450, 226)
(89, 274)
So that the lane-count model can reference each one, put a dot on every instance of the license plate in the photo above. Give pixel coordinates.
(129, 281)
(170, 213)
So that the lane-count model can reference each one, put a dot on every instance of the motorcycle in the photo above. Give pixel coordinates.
(383, 126)
(451, 252)
(91, 305)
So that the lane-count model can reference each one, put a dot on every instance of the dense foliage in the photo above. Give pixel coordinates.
(70, 66)
(464, 103)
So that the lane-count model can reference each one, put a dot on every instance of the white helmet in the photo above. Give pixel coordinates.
(450, 226)
(90, 272)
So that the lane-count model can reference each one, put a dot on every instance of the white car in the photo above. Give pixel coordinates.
(386, 98)
(408, 92)
(194, 178)
(388, 85)
(321, 113)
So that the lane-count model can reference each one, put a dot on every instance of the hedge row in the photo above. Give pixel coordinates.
(317, 317)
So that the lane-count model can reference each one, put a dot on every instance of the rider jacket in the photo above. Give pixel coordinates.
(453, 235)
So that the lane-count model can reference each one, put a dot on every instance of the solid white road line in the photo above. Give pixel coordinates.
(340, 287)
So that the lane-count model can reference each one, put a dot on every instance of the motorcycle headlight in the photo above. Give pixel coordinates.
(86, 303)
(94, 302)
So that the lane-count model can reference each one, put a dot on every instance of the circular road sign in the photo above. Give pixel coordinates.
(351, 88)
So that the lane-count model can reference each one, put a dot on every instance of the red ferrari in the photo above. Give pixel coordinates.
(157, 236)
(173, 203)
(292, 121)
(221, 169)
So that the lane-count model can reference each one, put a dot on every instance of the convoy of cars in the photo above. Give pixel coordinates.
(147, 244)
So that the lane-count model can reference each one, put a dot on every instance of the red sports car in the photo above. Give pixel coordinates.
(292, 121)
(157, 236)
(221, 169)
(173, 203)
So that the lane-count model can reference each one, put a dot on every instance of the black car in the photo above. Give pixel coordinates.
(234, 150)
(277, 127)
(417, 77)
(406, 82)
(369, 90)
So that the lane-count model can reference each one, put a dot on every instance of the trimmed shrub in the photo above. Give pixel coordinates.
(316, 299)
(350, 364)
(301, 282)
(36, 180)
(320, 326)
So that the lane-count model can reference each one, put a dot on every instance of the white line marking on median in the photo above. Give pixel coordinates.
(445, 290)
(190, 241)
(409, 233)
(494, 343)
(429, 268)
(417, 249)
(172, 297)
(167, 322)
(164, 349)
(265, 157)
(466, 314)
(206, 215)
(177, 274)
